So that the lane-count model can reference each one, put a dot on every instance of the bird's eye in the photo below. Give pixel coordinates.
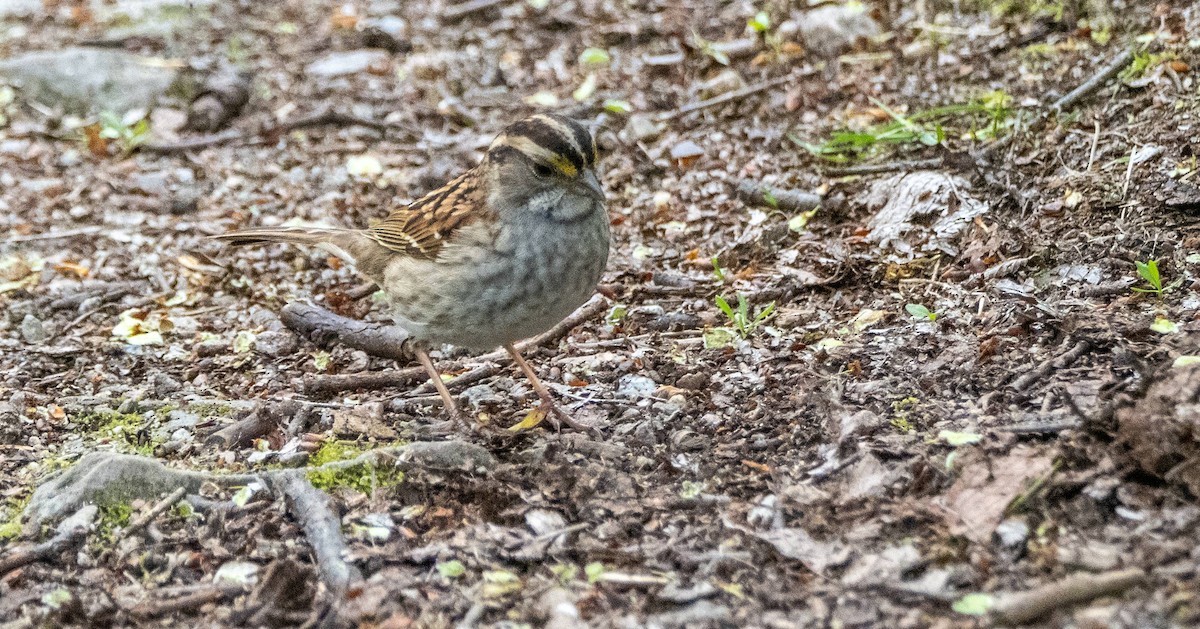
(542, 170)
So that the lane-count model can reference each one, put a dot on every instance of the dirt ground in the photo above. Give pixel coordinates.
(962, 406)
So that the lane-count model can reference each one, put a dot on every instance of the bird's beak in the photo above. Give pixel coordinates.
(593, 184)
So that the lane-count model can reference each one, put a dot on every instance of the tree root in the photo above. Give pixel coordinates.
(101, 478)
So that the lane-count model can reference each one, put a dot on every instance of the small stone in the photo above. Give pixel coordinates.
(349, 62)
(635, 386)
(89, 80)
(165, 385)
(642, 127)
(1012, 533)
(33, 331)
(129, 405)
(692, 381)
(180, 420)
(686, 153)
(479, 395)
(276, 344)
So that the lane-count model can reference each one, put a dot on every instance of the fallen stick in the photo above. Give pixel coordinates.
(191, 600)
(370, 337)
(314, 510)
(158, 509)
(323, 327)
(463, 9)
(1048, 365)
(757, 193)
(886, 167)
(725, 98)
(322, 384)
(1022, 607)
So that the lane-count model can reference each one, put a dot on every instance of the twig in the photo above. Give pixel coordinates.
(321, 384)
(314, 510)
(369, 337)
(1048, 365)
(154, 512)
(725, 98)
(206, 594)
(1022, 607)
(886, 167)
(787, 200)
(259, 422)
(322, 327)
(1092, 85)
(463, 9)
(363, 290)
(482, 372)
(66, 233)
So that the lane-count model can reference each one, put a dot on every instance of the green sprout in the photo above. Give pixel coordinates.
(742, 321)
(127, 136)
(921, 312)
(1148, 271)
(760, 23)
(710, 49)
(718, 272)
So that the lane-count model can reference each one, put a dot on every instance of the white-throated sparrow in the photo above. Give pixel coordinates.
(500, 253)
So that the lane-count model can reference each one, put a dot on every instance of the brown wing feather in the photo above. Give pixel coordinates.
(422, 227)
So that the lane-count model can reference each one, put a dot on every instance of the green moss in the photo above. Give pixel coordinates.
(113, 515)
(128, 429)
(209, 409)
(10, 529)
(364, 478)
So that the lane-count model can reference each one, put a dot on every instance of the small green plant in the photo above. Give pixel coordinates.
(760, 23)
(1148, 271)
(984, 117)
(710, 49)
(718, 272)
(127, 136)
(742, 321)
(921, 312)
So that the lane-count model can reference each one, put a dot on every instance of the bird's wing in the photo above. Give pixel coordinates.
(422, 227)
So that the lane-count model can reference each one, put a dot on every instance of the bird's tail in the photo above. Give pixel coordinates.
(351, 245)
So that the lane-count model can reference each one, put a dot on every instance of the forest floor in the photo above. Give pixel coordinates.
(955, 395)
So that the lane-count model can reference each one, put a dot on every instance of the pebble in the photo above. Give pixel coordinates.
(478, 395)
(1012, 532)
(635, 386)
(33, 331)
(276, 344)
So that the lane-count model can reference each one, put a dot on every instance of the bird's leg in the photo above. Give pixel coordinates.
(553, 411)
(447, 400)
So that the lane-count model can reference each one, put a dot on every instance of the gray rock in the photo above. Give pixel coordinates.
(346, 62)
(276, 343)
(478, 395)
(180, 420)
(32, 330)
(165, 385)
(88, 80)
(634, 386)
(1012, 532)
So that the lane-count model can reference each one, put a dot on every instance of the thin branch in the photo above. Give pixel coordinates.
(725, 98)
(1022, 607)
(158, 509)
(314, 510)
